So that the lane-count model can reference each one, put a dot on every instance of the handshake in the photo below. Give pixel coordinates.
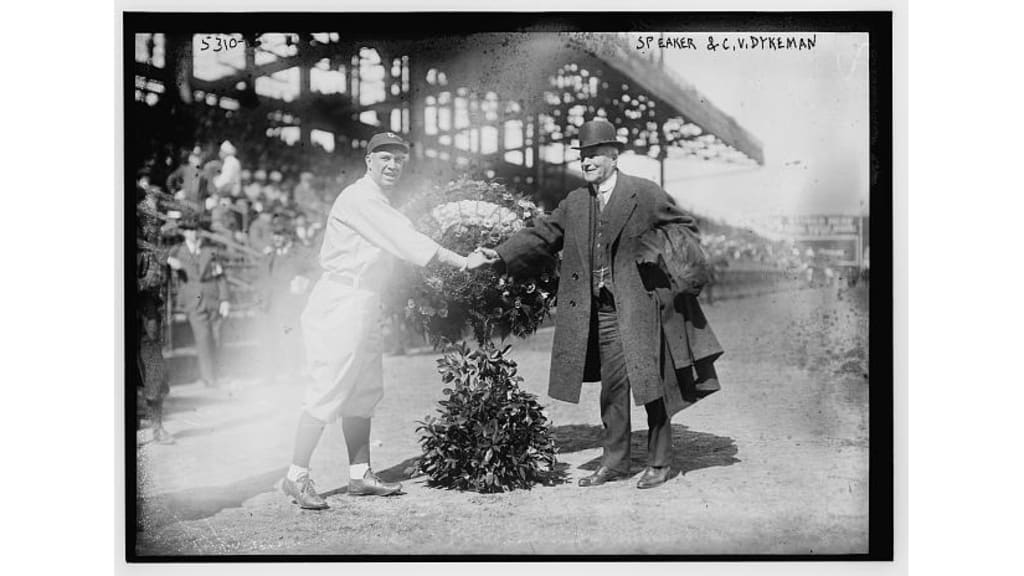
(481, 257)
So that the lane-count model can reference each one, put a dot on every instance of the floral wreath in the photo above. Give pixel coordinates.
(441, 301)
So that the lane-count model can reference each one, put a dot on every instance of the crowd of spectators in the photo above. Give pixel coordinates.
(241, 202)
(732, 247)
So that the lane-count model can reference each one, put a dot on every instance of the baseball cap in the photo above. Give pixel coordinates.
(386, 139)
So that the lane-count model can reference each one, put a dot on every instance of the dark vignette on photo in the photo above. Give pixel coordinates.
(377, 26)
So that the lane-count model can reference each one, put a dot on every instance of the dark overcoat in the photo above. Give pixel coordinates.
(636, 206)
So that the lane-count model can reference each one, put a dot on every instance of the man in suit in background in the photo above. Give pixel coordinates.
(285, 278)
(202, 294)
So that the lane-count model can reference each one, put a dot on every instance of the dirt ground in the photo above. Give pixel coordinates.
(776, 462)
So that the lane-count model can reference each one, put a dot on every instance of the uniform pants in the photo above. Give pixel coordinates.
(342, 333)
(206, 326)
(615, 399)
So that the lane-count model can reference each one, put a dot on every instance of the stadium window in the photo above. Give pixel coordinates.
(142, 47)
(430, 120)
(553, 153)
(326, 81)
(514, 157)
(159, 47)
(291, 134)
(372, 87)
(212, 64)
(461, 113)
(369, 117)
(396, 120)
(488, 140)
(322, 138)
(513, 134)
(282, 85)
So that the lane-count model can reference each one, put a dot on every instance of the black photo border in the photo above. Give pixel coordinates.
(879, 26)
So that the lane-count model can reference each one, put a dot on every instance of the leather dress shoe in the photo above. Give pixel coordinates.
(653, 477)
(602, 475)
(303, 493)
(371, 485)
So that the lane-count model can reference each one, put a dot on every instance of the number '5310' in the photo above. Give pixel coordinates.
(219, 43)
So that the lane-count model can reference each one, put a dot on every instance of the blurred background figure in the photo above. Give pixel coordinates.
(306, 197)
(152, 373)
(272, 192)
(260, 231)
(185, 183)
(151, 280)
(307, 233)
(229, 181)
(202, 294)
(254, 189)
(285, 281)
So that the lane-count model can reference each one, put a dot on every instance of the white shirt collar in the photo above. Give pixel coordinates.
(608, 185)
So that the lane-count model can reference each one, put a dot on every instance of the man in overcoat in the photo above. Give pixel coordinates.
(609, 325)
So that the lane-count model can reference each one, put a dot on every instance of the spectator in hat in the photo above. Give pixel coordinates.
(341, 323)
(202, 294)
(229, 181)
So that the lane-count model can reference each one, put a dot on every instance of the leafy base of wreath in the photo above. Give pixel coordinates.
(490, 435)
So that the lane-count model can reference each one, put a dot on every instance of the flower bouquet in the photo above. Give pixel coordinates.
(490, 435)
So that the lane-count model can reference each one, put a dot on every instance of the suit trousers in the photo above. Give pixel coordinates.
(206, 326)
(615, 399)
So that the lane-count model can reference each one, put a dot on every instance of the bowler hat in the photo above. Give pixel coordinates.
(386, 139)
(597, 132)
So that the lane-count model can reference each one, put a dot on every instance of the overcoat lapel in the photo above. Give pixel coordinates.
(582, 207)
(620, 206)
